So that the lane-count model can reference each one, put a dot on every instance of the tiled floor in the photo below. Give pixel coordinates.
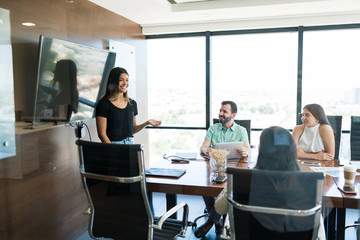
(196, 208)
(352, 215)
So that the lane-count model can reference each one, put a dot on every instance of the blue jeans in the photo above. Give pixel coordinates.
(125, 141)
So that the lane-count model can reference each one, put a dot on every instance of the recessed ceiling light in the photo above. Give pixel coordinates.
(69, 1)
(28, 24)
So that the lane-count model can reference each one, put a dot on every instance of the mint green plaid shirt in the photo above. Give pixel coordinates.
(218, 134)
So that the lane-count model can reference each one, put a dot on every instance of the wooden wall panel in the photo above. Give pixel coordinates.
(82, 22)
(48, 202)
(25, 161)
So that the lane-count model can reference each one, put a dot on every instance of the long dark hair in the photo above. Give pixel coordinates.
(112, 87)
(65, 77)
(277, 150)
(318, 112)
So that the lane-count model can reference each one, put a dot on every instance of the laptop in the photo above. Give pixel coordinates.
(231, 148)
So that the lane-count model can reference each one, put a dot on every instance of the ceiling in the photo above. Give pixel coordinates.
(169, 16)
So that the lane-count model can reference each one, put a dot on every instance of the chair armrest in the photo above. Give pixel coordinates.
(356, 225)
(171, 212)
(280, 211)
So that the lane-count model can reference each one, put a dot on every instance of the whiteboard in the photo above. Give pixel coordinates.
(125, 58)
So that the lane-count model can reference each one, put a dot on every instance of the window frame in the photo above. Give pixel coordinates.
(208, 34)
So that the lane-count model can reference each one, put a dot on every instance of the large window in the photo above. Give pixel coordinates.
(173, 141)
(176, 80)
(331, 75)
(262, 71)
(258, 72)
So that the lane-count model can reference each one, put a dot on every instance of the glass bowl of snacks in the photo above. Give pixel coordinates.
(218, 162)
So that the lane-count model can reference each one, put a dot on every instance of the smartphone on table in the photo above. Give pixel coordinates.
(348, 189)
(220, 179)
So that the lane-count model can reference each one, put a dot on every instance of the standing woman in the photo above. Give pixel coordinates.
(116, 112)
(314, 139)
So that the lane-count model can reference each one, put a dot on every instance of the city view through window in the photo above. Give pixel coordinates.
(259, 73)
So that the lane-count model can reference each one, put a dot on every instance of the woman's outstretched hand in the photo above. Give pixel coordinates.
(154, 122)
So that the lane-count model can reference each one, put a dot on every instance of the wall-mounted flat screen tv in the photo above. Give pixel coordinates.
(71, 78)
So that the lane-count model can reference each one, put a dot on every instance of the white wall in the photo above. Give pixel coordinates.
(255, 23)
(141, 92)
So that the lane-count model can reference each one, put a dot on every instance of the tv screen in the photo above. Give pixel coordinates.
(71, 78)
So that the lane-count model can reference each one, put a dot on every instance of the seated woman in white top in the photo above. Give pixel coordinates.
(314, 139)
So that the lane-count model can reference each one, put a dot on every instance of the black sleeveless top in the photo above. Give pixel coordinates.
(119, 121)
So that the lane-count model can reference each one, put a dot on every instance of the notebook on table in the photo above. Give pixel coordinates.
(165, 172)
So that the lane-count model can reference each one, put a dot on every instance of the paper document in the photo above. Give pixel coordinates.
(188, 155)
(332, 171)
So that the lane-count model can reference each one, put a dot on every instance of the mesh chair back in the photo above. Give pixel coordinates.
(119, 204)
(355, 138)
(336, 124)
(244, 123)
(284, 190)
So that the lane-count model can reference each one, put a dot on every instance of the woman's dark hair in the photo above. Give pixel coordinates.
(65, 77)
(112, 87)
(277, 150)
(318, 112)
(232, 105)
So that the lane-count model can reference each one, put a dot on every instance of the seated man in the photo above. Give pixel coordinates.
(224, 131)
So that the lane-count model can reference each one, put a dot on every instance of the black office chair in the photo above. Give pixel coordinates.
(274, 204)
(355, 155)
(336, 124)
(114, 180)
(244, 123)
(355, 138)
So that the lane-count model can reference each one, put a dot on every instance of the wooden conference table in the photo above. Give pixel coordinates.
(196, 181)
